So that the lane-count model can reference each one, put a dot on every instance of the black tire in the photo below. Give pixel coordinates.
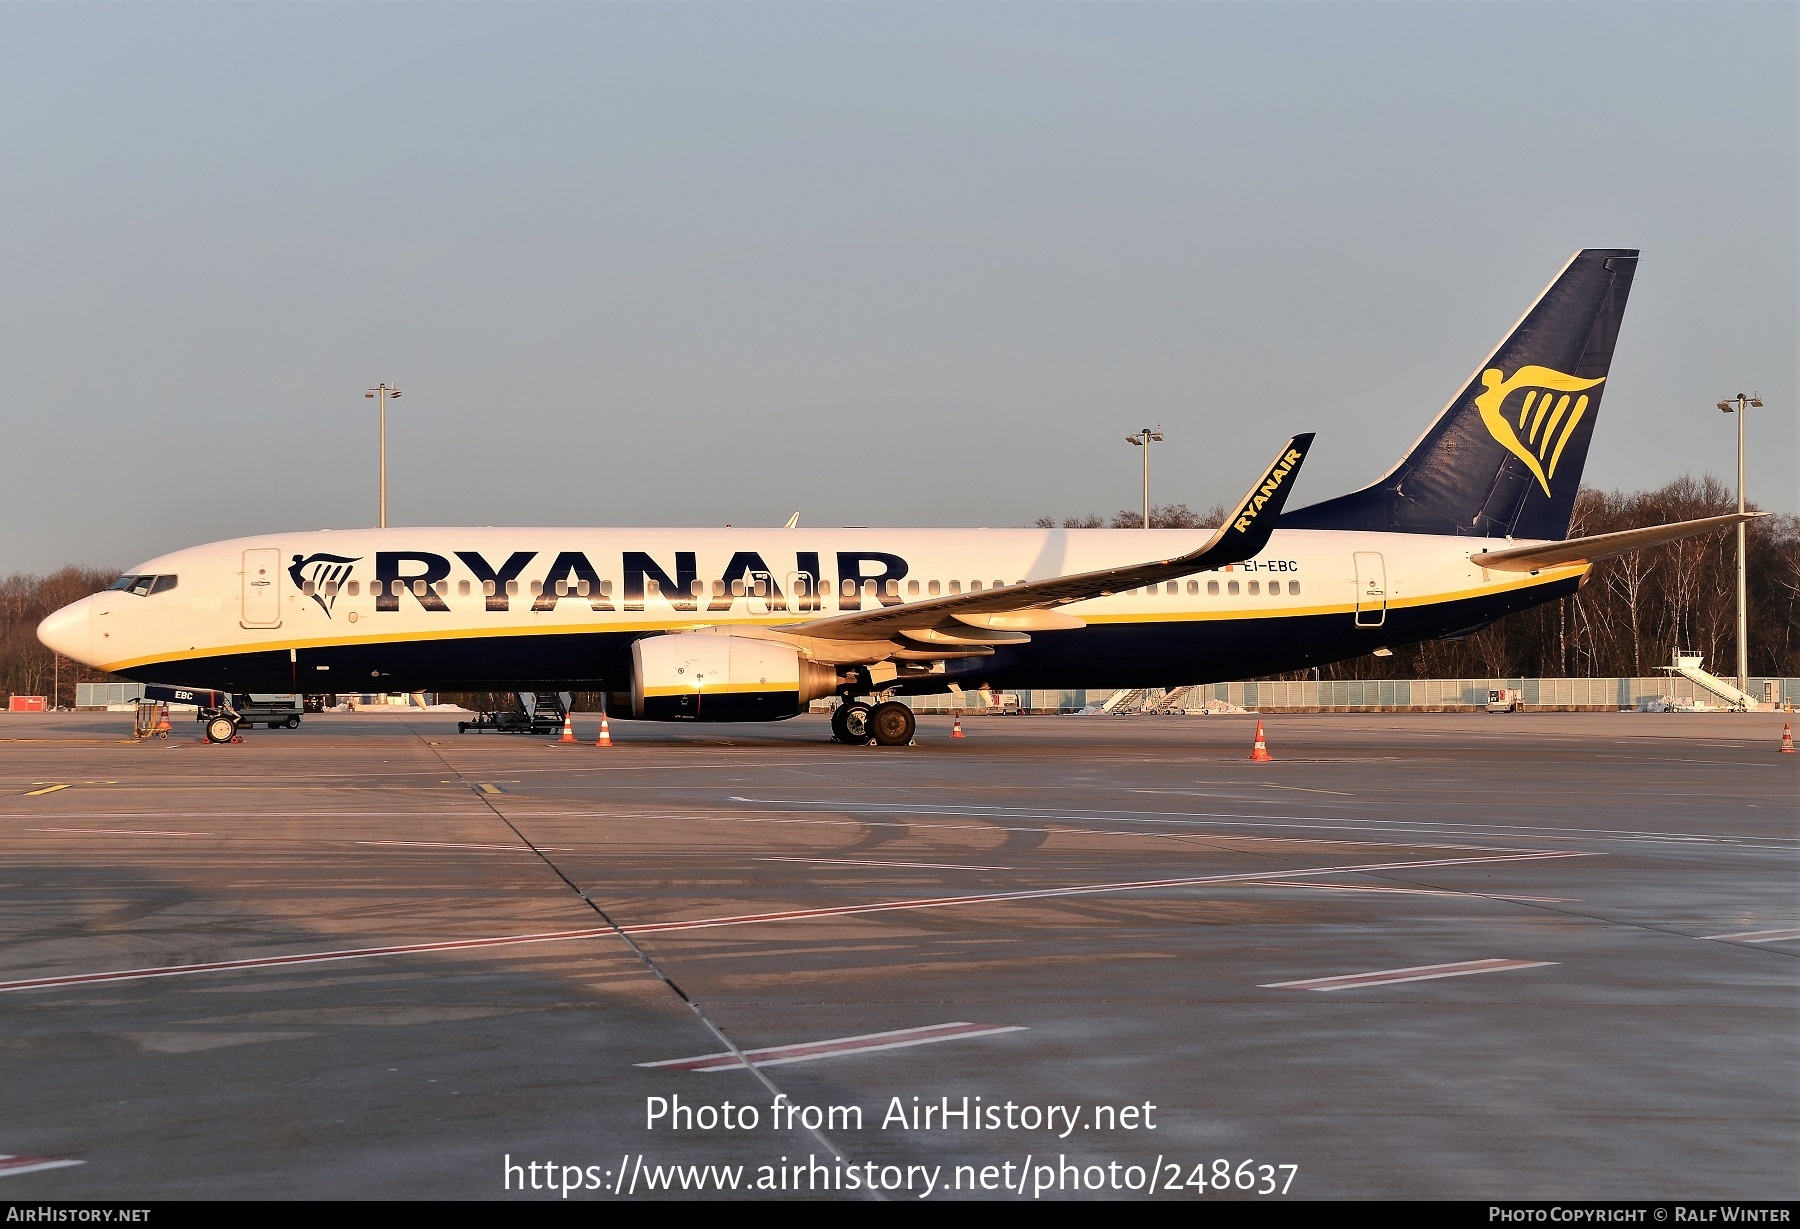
(220, 730)
(850, 723)
(891, 724)
(293, 723)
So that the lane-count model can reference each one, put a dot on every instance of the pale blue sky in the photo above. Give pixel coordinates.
(915, 264)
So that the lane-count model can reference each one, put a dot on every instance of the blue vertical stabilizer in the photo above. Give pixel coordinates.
(1504, 459)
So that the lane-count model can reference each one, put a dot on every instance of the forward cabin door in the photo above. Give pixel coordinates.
(1371, 589)
(262, 587)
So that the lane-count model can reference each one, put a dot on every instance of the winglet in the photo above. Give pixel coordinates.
(1246, 531)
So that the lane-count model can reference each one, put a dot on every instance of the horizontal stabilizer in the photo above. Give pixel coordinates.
(1603, 545)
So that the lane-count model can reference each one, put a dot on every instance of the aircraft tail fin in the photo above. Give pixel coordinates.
(1504, 459)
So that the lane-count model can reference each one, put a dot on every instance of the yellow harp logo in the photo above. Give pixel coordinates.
(1545, 417)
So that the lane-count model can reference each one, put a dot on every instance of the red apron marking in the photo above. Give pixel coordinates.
(746, 919)
(929, 866)
(455, 845)
(1423, 972)
(10, 1165)
(863, 1043)
(1759, 936)
(117, 832)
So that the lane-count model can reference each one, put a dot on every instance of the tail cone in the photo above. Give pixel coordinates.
(1260, 752)
(605, 739)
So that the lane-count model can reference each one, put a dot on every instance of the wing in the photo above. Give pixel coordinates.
(1245, 532)
(1602, 545)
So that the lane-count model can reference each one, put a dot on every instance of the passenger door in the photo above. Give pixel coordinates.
(262, 587)
(802, 593)
(1371, 589)
(761, 593)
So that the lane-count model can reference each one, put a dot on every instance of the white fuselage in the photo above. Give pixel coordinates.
(298, 610)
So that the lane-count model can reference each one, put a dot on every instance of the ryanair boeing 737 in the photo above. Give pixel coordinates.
(753, 624)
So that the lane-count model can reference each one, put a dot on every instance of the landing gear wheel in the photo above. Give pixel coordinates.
(850, 723)
(891, 723)
(220, 730)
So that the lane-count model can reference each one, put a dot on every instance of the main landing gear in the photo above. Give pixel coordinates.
(889, 723)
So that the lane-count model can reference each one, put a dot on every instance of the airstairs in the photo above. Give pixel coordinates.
(1178, 699)
(1687, 665)
(1130, 699)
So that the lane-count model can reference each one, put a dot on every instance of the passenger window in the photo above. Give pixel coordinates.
(697, 587)
(1193, 586)
(849, 588)
(537, 587)
(1255, 588)
(718, 588)
(419, 587)
(512, 588)
(912, 588)
(974, 586)
(1231, 587)
(933, 588)
(606, 588)
(737, 588)
(893, 588)
(1294, 587)
(999, 584)
(1212, 588)
(761, 588)
(581, 587)
(306, 588)
(956, 586)
(443, 588)
(331, 588)
(356, 585)
(462, 588)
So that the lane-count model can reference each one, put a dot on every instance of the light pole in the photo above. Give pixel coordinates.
(1143, 439)
(383, 392)
(1738, 405)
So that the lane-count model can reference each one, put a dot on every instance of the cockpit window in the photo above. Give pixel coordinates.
(143, 586)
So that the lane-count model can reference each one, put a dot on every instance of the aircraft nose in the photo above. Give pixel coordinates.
(67, 631)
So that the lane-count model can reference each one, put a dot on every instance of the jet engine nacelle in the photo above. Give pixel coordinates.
(697, 676)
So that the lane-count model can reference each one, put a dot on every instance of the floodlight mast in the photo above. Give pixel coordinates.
(1143, 439)
(383, 391)
(1737, 405)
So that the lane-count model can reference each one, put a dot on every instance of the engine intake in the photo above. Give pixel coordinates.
(697, 676)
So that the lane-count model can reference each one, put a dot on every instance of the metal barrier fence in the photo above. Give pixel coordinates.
(1435, 694)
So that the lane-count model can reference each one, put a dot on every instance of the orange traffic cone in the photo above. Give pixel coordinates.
(568, 728)
(605, 739)
(956, 728)
(1787, 738)
(162, 721)
(1260, 752)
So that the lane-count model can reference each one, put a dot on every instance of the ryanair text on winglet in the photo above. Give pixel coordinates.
(1267, 491)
